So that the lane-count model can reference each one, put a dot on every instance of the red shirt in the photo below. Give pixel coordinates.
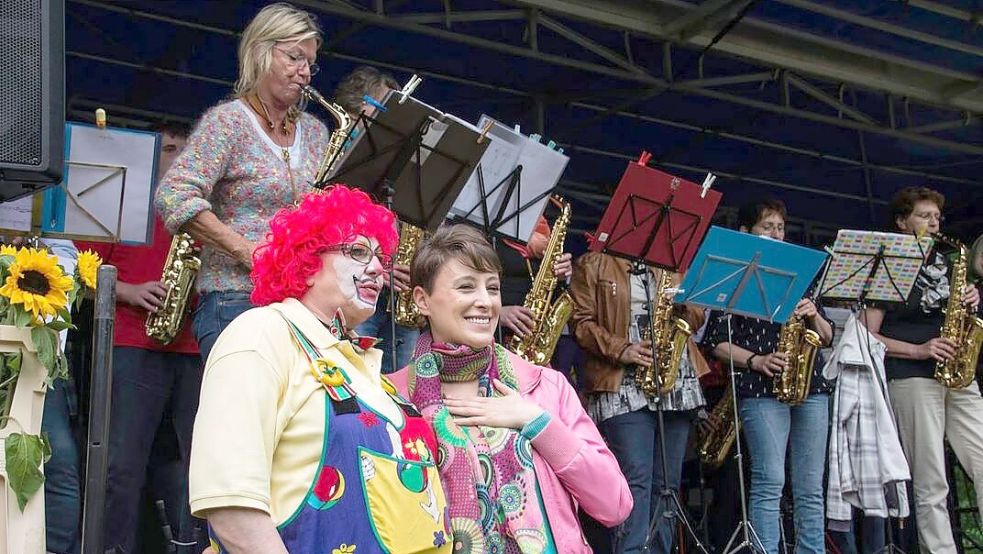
(136, 265)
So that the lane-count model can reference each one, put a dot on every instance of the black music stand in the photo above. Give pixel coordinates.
(752, 276)
(881, 267)
(647, 241)
(413, 157)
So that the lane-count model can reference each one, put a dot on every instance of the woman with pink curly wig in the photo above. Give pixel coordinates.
(299, 445)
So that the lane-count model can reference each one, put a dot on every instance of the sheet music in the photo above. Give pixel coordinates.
(849, 274)
(16, 215)
(499, 160)
(541, 169)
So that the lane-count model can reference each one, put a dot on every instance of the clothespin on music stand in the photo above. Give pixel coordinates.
(707, 183)
(100, 118)
(643, 159)
(410, 86)
(484, 131)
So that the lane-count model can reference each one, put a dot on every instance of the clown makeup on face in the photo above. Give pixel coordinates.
(345, 283)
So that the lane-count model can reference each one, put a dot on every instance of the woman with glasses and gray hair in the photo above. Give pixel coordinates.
(248, 157)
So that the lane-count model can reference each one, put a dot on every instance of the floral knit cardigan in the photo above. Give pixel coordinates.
(231, 167)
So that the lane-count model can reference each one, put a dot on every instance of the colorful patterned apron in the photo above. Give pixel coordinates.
(377, 489)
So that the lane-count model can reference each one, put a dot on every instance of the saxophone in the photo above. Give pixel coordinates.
(343, 126)
(180, 270)
(960, 326)
(714, 445)
(549, 316)
(668, 334)
(800, 346)
(405, 312)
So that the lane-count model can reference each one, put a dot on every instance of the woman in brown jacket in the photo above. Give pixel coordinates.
(610, 308)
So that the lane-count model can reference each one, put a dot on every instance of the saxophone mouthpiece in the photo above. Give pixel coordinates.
(311, 94)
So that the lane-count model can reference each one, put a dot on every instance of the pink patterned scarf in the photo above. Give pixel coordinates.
(487, 472)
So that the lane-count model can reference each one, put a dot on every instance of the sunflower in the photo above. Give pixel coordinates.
(8, 250)
(88, 264)
(37, 281)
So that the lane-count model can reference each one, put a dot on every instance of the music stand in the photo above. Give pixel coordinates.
(404, 146)
(655, 216)
(639, 225)
(874, 266)
(752, 276)
(512, 183)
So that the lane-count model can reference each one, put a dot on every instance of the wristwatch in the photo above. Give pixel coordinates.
(747, 364)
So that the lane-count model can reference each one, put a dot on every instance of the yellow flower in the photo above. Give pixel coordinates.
(37, 281)
(8, 250)
(88, 264)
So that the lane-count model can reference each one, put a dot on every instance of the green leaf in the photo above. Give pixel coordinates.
(64, 315)
(22, 317)
(45, 447)
(13, 361)
(24, 455)
(58, 325)
(46, 342)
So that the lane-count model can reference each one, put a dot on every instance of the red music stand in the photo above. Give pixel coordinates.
(655, 217)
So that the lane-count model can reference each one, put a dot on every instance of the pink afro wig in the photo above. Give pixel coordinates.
(299, 235)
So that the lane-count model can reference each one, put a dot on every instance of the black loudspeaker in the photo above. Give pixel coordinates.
(32, 95)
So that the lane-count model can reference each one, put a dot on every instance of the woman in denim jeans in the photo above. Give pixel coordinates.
(247, 158)
(774, 429)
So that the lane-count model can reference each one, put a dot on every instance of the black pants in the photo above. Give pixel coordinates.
(146, 384)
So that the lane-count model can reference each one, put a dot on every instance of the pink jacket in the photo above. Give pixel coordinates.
(573, 465)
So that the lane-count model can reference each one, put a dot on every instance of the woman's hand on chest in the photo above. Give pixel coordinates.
(509, 411)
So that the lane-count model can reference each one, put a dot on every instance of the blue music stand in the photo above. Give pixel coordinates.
(744, 274)
(740, 273)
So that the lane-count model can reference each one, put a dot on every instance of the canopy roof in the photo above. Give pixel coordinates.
(831, 106)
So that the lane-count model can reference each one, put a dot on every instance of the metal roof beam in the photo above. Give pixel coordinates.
(944, 9)
(698, 19)
(780, 46)
(967, 121)
(758, 77)
(880, 25)
(818, 94)
(588, 44)
(462, 16)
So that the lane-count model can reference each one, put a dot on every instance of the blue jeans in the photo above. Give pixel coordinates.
(214, 313)
(62, 501)
(380, 327)
(145, 385)
(771, 428)
(634, 440)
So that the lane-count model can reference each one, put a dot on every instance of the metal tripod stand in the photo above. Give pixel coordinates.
(670, 507)
(744, 536)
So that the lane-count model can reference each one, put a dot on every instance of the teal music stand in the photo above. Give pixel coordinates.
(747, 275)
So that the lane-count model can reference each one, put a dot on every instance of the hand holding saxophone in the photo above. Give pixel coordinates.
(149, 295)
(638, 353)
(941, 349)
(563, 267)
(518, 319)
(806, 308)
(769, 364)
(971, 297)
(400, 276)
